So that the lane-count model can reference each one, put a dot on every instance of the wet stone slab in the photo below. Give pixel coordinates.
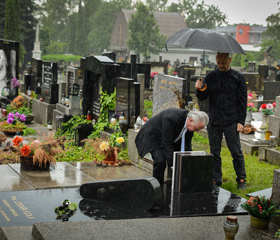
(106, 173)
(23, 208)
(60, 175)
(12, 181)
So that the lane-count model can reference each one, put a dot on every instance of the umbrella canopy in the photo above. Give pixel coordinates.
(206, 39)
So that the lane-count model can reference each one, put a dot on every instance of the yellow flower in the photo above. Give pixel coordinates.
(104, 146)
(120, 140)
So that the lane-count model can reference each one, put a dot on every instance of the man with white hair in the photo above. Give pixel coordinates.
(170, 130)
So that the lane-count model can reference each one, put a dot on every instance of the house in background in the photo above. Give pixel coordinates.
(168, 23)
(249, 37)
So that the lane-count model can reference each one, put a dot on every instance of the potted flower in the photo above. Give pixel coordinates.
(261, 210)
(13, 123)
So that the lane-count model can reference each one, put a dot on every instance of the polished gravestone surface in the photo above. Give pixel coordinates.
(23, 208)
(138, 193)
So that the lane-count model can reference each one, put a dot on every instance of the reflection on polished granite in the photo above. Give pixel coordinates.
(23, 208)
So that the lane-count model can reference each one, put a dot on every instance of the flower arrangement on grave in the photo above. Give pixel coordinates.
(153, 74)
(13, 124)
(41, 152)
(261, 207)
(250, 104)
(18, 102)
(266, 109)
(15, 82)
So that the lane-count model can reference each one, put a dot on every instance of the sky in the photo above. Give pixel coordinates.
(245, 11)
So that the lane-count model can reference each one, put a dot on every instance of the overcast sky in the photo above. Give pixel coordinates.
(245, 11)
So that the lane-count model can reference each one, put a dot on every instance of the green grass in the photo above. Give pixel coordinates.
(259, 173)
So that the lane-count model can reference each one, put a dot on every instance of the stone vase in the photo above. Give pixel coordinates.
(248, 119)
(258, 222)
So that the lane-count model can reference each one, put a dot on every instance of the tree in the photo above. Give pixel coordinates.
(2, 17)
(144, 36)
(102, 23)
(199, 15)
(156, 5)
(12, 20)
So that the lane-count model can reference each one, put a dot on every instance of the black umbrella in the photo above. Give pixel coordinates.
(206, 39)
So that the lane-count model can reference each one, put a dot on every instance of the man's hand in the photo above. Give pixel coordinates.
(239, 127)
(198, 84)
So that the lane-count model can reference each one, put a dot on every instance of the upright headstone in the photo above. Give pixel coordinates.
(128, 99)
(36, 75)
(252, 67)
(72, 77)
(271, 89)
(49, 89)
(274, 121)
(36, 53)
(144, 68)
(169, 91)
(141, 81)
(98, 72)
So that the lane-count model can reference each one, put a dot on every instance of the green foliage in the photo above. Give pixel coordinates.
(12, 20)
(23, 110)
(157, 5)
(148, 106)
(144, 34)
(242, 60)
(69, 127)
(61, 58)
(200, 15)
(57, 48)
(66, 210)
(28, 131)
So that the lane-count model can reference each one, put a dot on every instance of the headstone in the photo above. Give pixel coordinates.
(169, 91)
(271, 90)
(111, 55)
(274, 122)
(72, 77)
(252, 67)
(144, 68)
(36, 75)
(128, 99)
(138, 193)
(98, 72)
(141, 81)
(192, 172)
(49, 89)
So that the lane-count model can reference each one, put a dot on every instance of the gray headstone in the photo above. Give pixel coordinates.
(169, 91)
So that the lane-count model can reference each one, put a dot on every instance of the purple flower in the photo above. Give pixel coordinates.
(15, 82)
(22, 117)
(17, 115)
(11, 115)
(10, 120)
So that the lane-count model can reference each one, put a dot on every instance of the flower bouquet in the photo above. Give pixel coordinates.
(250, 105)
(266, 109)
(261, 207)
(13, 124)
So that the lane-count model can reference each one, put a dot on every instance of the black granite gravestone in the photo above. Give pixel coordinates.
(23, 208)
(192, 172)
(138, 193)
(128, 99)
(271, 90)
(98, 72)
(27, 81)
(36, 75)
(72, 78)
(144, 68)
(49, 89)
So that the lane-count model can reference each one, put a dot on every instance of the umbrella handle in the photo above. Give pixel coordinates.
(202, 89)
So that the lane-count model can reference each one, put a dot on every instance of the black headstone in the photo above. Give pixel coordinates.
(192, 172)
(145, 69)
(36, 75)
(138, 193)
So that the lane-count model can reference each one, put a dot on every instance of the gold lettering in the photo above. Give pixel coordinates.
(10, 208)
(5, 215)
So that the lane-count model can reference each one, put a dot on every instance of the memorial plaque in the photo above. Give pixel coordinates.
(192, 172)
(169, 91)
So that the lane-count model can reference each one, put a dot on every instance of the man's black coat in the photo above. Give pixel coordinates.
(160, 132)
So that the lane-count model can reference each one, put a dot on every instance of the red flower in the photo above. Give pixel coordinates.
(17, 140)
(25, 150)
(263, 106)
(274, 104)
